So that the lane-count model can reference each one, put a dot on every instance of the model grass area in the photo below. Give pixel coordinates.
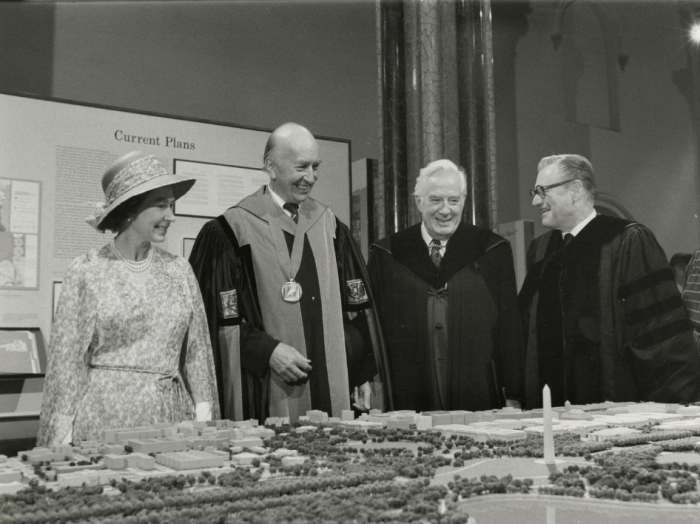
(379, 476)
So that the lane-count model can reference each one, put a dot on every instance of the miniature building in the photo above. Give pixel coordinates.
(248, 442)
(690, 423)
(381, 418)
(648, 407)
(477, 433)
(62, 448)
(293, 461)
(605, 434)
(41, 455)
(507, 423)
(689, 411)
(440, 418)
(508, 413)
(112, 449)
(662, 417)
(88, 478)
(630, 421)
(539, 430)
(276, 421)
(65, 467)
(361, 424)
(11, 488)
(317, 416)
(423, 422)
(282, 452)
(244, 459)
(395, 423)
(9, 475)
(193, 459)
(114, 461)
(141, 461)
(575, 414)
(459, 416)
(164, 445)
(506, 435)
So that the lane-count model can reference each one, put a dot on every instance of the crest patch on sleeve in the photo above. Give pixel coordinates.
(229, 304)
(357, 294)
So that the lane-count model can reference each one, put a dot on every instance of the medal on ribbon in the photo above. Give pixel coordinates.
(291, 291)
(290, 263)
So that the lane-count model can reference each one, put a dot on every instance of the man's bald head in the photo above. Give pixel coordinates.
(291, 160)
(285, 135)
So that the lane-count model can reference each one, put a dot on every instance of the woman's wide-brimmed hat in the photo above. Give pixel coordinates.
(134, 174)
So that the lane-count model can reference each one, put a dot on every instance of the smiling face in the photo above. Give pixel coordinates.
(155, 214)
(441, 205)
(293, 165)
(557, 207)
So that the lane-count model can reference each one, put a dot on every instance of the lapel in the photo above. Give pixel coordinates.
(259, 202)
(467, 244)
(598, 231)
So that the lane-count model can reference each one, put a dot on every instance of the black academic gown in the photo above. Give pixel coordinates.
(604, 319)
(475, 320)
(225, 269)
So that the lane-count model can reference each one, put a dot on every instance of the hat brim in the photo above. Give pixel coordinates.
(180, 184)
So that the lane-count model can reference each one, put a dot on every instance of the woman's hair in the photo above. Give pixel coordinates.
(123, 211)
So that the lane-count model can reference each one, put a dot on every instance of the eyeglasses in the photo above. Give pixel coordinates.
(541, 190)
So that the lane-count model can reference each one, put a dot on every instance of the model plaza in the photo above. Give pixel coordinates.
(217, 446)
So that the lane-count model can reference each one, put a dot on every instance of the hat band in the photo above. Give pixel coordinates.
(136, 173)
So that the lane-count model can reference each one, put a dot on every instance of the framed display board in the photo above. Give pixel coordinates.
(53, 154)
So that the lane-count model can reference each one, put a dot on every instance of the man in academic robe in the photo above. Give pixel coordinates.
(285, 290)
(447, 301)
(604, 318)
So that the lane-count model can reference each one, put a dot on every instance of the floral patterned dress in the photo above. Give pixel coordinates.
(117, 357)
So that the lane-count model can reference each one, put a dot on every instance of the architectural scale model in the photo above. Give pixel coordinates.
(452, 454)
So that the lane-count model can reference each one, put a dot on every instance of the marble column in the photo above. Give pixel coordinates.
(390, 187)
(436, 100)
(694, 66)
(688, 80)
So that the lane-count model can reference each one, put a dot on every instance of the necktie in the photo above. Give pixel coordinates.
(294, 210)
(568, 238)
(435, 255)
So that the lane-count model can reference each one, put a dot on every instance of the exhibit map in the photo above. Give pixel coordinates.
(611, 463)
(19, 233)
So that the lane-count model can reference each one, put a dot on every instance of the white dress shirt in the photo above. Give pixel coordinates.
(278, 200)
(575, 231)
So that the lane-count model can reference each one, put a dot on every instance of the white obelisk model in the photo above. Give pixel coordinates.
(548, 436)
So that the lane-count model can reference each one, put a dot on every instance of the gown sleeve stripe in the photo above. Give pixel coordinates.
(647, 313)
(647, 281)
(662, 334)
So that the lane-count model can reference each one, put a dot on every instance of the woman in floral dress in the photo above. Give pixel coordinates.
(130, 344)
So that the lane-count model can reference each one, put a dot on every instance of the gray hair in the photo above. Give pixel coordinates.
(435, 168)
(575, 167)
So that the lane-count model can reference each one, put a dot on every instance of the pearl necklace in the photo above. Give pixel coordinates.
(132, 265)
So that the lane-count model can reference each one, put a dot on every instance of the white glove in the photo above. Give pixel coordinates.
(203, 411)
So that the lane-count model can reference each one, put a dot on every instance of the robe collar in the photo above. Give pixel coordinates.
(310, 211)
(467, 244)
(598, 231)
